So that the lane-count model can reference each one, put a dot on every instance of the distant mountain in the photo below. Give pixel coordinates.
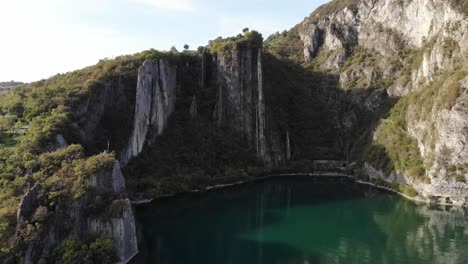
(5, 87)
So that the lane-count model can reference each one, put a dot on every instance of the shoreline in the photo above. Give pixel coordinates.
(238, 183)
(416, 199)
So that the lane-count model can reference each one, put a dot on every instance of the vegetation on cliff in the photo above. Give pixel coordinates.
(32, 117)
(460, 5)
(73, 251)
(394, 148)
(249, 39)
(63, 177)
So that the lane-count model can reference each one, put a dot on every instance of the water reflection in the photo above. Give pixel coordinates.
(300, 221)
(432, 233)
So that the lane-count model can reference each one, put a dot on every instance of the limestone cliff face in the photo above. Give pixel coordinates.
(241, 102)
(408, 48)
(120, 226)
(381, 26)
(449, 154)
(155, 102)
(452, 127)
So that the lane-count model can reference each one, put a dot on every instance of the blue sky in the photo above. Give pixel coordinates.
(41, 38)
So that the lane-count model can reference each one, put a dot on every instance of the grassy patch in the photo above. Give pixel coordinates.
(393, 148)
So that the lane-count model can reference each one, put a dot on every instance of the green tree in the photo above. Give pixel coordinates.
(186, 47)
(201, 49)
(7, 122)
(174, 49)
(100, 250)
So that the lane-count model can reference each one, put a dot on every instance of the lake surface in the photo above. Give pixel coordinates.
(300, 220)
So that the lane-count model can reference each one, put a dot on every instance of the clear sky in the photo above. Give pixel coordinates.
(40, 38)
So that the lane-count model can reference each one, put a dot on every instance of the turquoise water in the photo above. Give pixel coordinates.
(302, 221)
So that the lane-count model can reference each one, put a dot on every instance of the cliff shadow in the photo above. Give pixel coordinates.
(324, 121)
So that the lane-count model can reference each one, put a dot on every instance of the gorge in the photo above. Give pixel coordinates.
(374, 89)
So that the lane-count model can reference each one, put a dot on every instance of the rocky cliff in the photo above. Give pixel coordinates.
(155, 102)
(349, 82)
(416, 51)
(105, 114)
(228, 103)
(118, 223)
(121, 228)
(40, 231)
(241, 103)
(218, 94)
(385, 27)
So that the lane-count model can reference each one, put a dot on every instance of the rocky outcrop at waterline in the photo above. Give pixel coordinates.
(73, 219)
(434, 192)
(121, 228)
(119, 224)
